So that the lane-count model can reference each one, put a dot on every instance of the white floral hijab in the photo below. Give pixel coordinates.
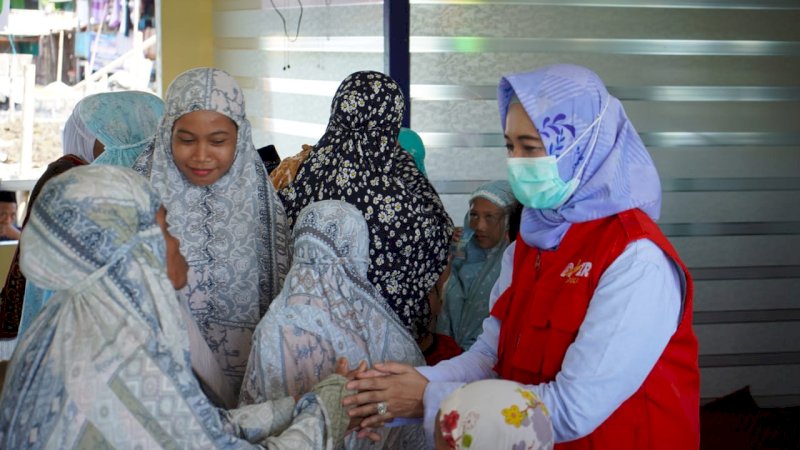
(498, 414)
(233, 233)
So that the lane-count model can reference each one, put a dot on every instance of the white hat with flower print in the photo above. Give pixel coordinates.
(497, 414)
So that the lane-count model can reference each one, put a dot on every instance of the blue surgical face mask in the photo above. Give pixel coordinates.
(536, 182)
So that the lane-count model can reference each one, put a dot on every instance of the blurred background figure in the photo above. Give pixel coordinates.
(476, 263)
(8, 216)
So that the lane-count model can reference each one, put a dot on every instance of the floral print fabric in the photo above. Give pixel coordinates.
(358, 160)
(497, 414)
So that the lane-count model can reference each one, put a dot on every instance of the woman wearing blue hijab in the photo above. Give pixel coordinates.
(124, 122)
(112, 128)
(592, 310)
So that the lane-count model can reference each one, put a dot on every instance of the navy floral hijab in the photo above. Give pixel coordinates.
(358, 161)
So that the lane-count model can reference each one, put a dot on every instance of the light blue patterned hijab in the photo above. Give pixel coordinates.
(328, 296)
(106, 363)
(474, 271)
(327, 309)
(563, 101)
(92, 238)
(124, 122)
(233, 233)
(87, 239)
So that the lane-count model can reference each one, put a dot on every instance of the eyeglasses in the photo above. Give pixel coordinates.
(491, 219)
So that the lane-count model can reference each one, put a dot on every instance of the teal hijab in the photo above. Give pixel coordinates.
(124, 122)
(473, 273)
(411, 142)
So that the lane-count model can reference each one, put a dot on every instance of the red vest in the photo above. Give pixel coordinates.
(535, 334)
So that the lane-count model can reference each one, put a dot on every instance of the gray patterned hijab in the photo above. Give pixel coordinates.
(233, 233)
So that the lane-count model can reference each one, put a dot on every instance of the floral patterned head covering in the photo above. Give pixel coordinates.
(570, 104)
(124, 122)
(233, 233)
(358, 161)
(498, 414)
(366, 114)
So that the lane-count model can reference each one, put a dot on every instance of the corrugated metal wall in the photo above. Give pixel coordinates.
(712, 86)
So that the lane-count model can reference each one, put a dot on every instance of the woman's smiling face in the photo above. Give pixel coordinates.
(204, 146)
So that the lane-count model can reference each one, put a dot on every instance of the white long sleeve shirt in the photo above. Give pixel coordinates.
(633, 313)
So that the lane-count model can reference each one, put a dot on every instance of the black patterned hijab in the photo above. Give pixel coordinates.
(358, 161)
